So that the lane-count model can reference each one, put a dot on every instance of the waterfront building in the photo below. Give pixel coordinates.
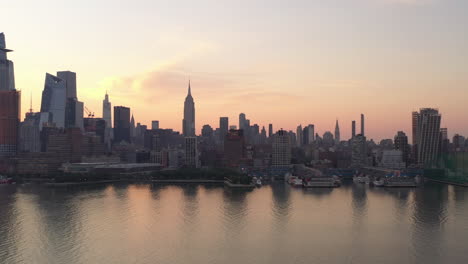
(281, 149)
(392, 159)
(121, 124)
(428, 135)
(54, 99)
(188, 123)
(191, 152)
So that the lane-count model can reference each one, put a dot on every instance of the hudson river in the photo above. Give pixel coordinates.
(202, 224)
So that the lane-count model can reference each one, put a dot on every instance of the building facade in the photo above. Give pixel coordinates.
(121, 124)
(54, 99)
(281, 149)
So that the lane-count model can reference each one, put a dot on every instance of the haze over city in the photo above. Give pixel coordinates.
(284, 63)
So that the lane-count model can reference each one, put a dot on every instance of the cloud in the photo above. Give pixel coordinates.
(406, 2)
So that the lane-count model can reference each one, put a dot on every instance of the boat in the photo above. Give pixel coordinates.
(296, 182)
(258, 182)
(361, 179)
(324, 182)
(5, 180)
(379, 182)
(400, 182)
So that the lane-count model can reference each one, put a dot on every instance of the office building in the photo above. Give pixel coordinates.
(7, 75)
(54, 99)
(188, 123)
(154, 124)
(9, 122)
(223, 127)
(270, 130)
(337, 133)
(362, 125)
(353, 129)
(121, 124)
(359, 151)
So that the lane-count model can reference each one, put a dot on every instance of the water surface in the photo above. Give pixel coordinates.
(203, 224)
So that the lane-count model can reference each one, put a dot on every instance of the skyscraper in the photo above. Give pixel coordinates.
(121, 124)
(73, 107)
(311, 135)
(353, 129)
(7, 75)
(188, 123)
(428, 135)
(362, 125)
(401, 143)
(70, 82)
(223, 127)
(270, 130)
(54, 99)
(154, 124)
(299, 136)
(242, 121)
(107, 117)
(10, 101)
(337, 133)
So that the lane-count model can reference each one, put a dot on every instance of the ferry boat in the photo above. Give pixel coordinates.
(397, 179)
(361, 179)
(325, 182)
(296, 182)
(5, 180)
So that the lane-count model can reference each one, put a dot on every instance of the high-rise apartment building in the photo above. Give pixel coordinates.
(270, 130)
(154, 124)
(242, 122)
(362, 125)
(353, 129)
(359, 151)
(427, 135)
(299, 136)
(401, 143)
(281, 149)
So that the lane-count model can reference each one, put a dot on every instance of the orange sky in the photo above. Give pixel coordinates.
(305, 62)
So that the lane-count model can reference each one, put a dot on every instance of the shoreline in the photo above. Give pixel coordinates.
(448, 182)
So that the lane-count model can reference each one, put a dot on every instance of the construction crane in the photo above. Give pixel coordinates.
(89, 113)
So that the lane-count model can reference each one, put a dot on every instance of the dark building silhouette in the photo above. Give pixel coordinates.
(234, 147)
(188, 123)
(223, 127)
(401, 143)
(9, 122)
(121, 124)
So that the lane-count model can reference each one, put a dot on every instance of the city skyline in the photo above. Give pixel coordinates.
(305, 77)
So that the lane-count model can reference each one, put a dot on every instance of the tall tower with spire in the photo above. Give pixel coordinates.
(107, 116)
(188, 123)
(337, 133)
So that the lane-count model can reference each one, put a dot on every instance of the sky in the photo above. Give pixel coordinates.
(282, 62)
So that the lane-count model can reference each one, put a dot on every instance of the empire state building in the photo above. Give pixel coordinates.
(188, 123)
